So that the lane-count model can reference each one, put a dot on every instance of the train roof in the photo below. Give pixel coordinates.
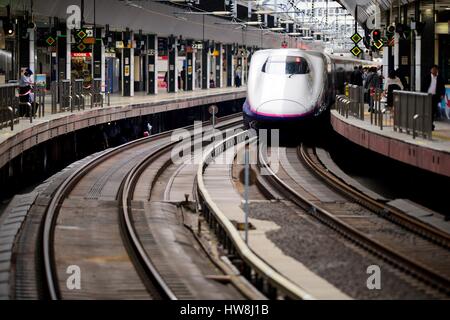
(286, 51)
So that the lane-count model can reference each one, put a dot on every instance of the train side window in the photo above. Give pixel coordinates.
(285, 65)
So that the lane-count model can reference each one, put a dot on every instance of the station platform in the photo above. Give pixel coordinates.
(432, 155)
(26, 135)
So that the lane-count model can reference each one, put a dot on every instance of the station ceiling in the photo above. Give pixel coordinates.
(367, 8)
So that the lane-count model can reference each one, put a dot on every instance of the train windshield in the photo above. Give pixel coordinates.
(285, 65)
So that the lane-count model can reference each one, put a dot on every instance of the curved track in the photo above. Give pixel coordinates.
(422, 253)
(89, 224)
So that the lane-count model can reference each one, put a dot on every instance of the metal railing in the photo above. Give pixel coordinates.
(356, 97)
(413, 113)
(8, 106)
(352, 103)
(377, 109)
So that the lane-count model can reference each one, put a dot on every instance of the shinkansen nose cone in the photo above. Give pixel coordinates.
(282, 108)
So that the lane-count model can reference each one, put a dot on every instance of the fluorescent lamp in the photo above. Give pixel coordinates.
(264, 11)
(253, 23)
(221, 13)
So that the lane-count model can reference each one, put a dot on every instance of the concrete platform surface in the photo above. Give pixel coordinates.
(26, 135)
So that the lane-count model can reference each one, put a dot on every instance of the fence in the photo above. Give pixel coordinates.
(413, 113)
(8, 106)
(352, 103)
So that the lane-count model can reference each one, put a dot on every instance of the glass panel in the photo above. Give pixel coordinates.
(285, 65)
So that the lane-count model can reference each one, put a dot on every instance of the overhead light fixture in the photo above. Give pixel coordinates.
(217, 13)
(253, 23)
(264, 12)
(221, 13)
(276, 29)
(287, 21)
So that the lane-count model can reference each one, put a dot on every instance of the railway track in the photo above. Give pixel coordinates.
(411, 247)
(90, 223)
(213, 185)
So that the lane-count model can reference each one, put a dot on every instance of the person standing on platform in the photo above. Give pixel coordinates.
(372, 84)
(402, 78)
(392, 83)
(237, 77)
(166, 80)
(183, 78)
(434, 85)
(212, 83)
(25, 94)
(356, 77)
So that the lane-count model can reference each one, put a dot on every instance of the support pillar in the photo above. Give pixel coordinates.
(173, 72)
(61, 55)
(190, 66)
(205, 65)
(127, 62)
(98, 56)
(230, 65)
(32, 53)
(152, 58)
(218, 80)
(68, 54)
(426, 45)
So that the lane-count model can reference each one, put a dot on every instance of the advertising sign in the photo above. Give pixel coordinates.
(445, 104)
(41, 80)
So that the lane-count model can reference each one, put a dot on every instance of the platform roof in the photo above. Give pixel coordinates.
(367, 8)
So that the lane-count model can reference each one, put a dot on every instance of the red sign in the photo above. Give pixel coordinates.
(81, 54)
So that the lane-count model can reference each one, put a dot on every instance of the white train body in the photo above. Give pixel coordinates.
(293, 84)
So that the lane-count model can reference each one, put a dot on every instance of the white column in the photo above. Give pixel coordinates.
(385, 62)
(208, 67)
(232, 71)
(396, 51)
(220, 84)
(32, 54)
(103, 67)
(132, 69)
(418, 64)
(156, 65)
(68, 54)
(176, 65)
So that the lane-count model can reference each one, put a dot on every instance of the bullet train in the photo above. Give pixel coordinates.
(292, 86)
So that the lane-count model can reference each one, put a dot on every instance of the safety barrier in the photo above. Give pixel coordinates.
(78, 97)
(413, 113)
(352, 103)
(356, 96)
(65, 96)
(8, 106)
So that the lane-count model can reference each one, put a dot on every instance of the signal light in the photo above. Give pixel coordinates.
(376, 35)
(391, 29)
(8, 28)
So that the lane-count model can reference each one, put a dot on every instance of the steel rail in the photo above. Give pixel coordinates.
(373, 246)
(52, 211)
(393, 214)
(230, 237)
